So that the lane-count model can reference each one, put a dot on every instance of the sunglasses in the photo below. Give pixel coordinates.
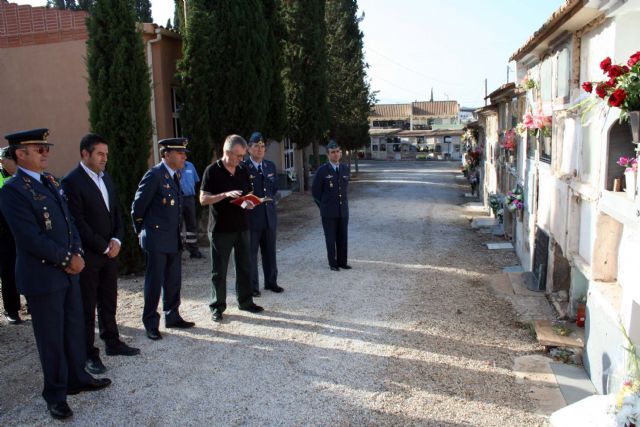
(40, 150)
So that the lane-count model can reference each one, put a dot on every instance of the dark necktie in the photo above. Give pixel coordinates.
(260, 169)
(176, 178)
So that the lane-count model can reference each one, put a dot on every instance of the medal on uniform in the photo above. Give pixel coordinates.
(173, 202)
(330, 184)
(164, 201)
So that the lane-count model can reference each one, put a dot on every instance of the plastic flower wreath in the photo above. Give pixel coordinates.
(621, 88)
(630, 163)
(509, 139)
(537, 124)
(514, 199)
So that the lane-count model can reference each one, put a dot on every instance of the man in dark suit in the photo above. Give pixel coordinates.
(48, 261)
(10, 295)
(263, 219)
(329, 191)
(157, 216)
(94, 204)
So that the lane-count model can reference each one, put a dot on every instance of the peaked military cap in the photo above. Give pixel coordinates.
(29, 137)
(332, 145)
(175, 144)
(256, 137)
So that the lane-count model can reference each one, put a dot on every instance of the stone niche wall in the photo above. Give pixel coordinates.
(605, 249)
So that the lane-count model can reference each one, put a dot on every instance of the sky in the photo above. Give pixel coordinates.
(450, 46)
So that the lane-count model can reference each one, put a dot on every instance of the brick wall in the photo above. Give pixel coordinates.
(24, 25)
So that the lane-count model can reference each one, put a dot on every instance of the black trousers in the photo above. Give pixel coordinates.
(221, 246)
(99, 288)
(163, 274)
(190, 236)
(335, 236)
(59, 331)
(10, 295)
(264, 239)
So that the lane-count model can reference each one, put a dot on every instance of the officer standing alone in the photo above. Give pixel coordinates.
(329, 191)
(263, 218)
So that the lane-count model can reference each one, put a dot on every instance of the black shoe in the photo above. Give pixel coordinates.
(154, 334)
(216, 317)
(121, 349)
(256, 294)
(180, 324)
(345, 267)
(277, 289)
(334, 268)
(95, 366)
(59, 410)
(13, 318)
(196, 255)
(94, 385)
(253, 308)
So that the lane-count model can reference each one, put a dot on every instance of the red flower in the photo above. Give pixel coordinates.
(611, 82)
(616, 70)
(587, 86)
(605, 64)
(633, 59)
(617, 98)
(601, 89)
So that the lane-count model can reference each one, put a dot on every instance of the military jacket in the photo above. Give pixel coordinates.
(329, 190)
(263, 185)
(43, 228)
(156, 211)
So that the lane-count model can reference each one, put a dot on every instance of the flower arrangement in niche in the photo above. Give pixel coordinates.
(621, 88)
(509, 139)
(629, 163)
(536, 124)
(627, 403)
(514, 199)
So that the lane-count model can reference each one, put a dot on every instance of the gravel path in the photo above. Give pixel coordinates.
(411, 336)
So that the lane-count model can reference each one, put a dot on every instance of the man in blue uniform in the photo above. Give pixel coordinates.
(189, 180)
(329, 191)
(262, 218)
(157, 216)
(10, 295)
(48, 261)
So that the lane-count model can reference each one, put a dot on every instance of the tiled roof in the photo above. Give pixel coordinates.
(22, 25)
(567, 9)
(418, 108)
(436, 108)
(391, 111)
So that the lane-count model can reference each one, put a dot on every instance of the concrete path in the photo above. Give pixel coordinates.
(411, 336)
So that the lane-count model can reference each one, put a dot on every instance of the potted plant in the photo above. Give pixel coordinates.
(630, 174)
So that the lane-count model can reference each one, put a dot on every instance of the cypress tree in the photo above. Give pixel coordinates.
(143, 11)
(304, 72)
(275, 125)
(348, 92)
(240, 74)
(196, 75)
(120, 92)
(178, 16)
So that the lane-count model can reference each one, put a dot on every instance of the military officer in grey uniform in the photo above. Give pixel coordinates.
(263, 219)
(157, 217)
(48, 261)
(329, 190)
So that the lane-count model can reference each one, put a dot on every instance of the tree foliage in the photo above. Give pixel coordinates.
(120, 92)
(304, 70)
(178, 16)
(196, 75)
(143, 10)
(225, 72)
(70, 4)
(348, 91)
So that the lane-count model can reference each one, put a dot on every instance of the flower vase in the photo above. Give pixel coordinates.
(630, 178)
(634, 122)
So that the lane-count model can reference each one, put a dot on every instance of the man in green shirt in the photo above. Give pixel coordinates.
(10, 295)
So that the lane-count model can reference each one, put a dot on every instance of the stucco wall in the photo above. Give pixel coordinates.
(46, 86)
